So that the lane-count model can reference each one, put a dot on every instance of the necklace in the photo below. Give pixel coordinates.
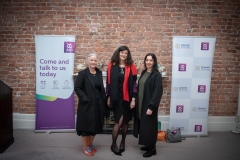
(121, 66)
(121, 70)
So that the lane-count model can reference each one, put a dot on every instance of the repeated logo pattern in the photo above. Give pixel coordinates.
(198, 128)
(205, 46)
(182, 67)
(179, 108)
(191, 76)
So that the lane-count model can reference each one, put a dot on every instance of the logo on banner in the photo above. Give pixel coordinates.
(198, 128)
(194, 109)
(66, 83)
(177, 46)
(202, 109)
(197, 68)
(55, 84)
(185, 46)
(199, 109)
(205, 46)
(201, 88)
(183, 89)
(182, 46)
(203, 68)
(43, 84)
(182, 67)
(69, 47)
(179, 108)
(175, 88)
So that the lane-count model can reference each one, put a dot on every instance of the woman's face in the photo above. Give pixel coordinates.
(92, 62)
(149, 62)
(123, 55)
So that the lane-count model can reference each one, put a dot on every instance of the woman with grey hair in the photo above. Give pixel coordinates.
(91, 104)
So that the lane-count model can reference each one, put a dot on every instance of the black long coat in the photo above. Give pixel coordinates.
(147, 129)
(85, 90)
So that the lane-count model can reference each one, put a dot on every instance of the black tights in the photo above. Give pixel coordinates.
(115, 131)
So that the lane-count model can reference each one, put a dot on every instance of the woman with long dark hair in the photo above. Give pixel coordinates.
(148, 98)
(121, 92)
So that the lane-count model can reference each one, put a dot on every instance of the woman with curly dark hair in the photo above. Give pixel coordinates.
(121, 92)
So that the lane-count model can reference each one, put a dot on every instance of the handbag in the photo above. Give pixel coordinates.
(174, 136)
(161, 136)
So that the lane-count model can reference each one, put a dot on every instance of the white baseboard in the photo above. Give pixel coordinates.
(215, 123)
(24, 121)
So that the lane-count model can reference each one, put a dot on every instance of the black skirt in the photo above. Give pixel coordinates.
(122, 109)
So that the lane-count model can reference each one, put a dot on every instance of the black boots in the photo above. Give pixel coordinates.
(150, 152)
(144, 148)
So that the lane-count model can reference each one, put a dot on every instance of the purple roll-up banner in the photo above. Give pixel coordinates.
(54, 83)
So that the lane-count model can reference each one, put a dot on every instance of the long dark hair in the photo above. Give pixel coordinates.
(155, 64)
(115, 56)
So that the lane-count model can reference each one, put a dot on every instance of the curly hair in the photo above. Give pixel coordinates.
(155, 64)
(115, 56)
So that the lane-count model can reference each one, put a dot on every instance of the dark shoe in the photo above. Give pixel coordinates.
(122, 150)
(122, 147)
(144, 148)
(150, 152)
(115, 152)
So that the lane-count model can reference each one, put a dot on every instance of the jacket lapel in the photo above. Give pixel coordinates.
(147, 77)
(99, 75)
(114, 83)
(89, 77)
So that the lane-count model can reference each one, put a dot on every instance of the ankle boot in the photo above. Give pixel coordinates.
(151, 151)
(144, 148)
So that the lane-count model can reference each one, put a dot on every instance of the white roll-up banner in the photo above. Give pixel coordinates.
(191, 77)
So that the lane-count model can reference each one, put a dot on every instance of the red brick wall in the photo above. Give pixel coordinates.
(103, 25)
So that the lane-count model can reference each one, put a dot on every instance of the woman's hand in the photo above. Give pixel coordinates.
(149, 112)
(108, 102)
(132, 104)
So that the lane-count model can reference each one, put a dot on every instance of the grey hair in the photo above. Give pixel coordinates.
(90, 55)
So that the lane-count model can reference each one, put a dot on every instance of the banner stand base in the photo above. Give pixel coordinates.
(56, 131)
(236, 131)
